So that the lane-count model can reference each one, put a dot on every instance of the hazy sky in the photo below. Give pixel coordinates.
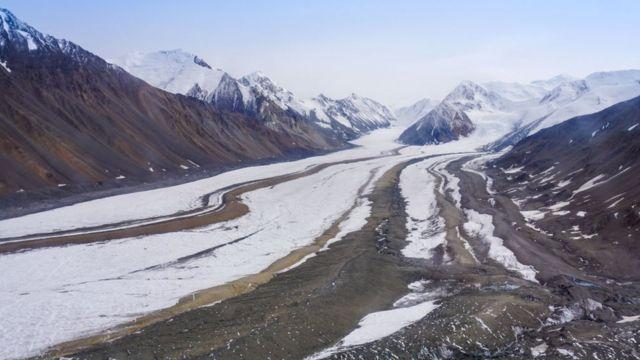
(393, 51)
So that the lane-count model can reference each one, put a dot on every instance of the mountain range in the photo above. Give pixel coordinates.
(70, 118)
(184, 73)
(504, 113)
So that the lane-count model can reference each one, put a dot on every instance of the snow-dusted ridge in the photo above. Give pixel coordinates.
(181, 72)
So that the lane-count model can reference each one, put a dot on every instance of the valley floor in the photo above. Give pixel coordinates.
(377, 251)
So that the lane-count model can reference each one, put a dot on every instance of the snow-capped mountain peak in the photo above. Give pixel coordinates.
(176, 71)
(181, 72)
(471, 96)
(15, 31)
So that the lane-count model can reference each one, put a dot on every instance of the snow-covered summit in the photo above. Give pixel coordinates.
(409, 114)
(471, 96)
(181, 72)
(365, 113)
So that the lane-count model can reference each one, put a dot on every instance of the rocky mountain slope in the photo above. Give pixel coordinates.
(581, 180)
(69, 117)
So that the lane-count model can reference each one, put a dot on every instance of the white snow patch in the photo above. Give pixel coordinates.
(4, 65)
(563, 183)
(533, 215)
(512, 170)
(615, 203)
(590, 184)
(566, 352)
(31, 44)
(381, 324)
(539, 350)
(559, 205)
(481, 226)
(300, 262)
(626, 319)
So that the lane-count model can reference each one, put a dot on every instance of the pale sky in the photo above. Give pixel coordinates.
(396, 52)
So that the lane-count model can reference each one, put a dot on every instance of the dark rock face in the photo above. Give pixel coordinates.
(227, 95)
(584, 174)
(442, 124)
(69, 117)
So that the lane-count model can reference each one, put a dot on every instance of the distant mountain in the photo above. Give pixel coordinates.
(461, 112)
(69, 117)
(567, 100)
(184, 73)
(505, 113)
(442, 124)
(468, 96)
(409, 114)
(582, 176)
(349, 117)
(262, 85)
